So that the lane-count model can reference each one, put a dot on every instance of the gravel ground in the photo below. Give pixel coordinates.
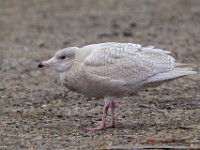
(38, 113)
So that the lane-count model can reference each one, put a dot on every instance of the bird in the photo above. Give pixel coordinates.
(113, 70)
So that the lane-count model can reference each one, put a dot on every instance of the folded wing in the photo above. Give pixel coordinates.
(130, 63)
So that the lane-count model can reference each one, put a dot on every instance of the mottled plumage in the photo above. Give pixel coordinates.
(111, 70)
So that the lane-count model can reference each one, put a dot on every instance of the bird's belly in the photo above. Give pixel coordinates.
(93, 87)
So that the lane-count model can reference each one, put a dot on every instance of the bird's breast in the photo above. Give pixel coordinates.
(69, 79)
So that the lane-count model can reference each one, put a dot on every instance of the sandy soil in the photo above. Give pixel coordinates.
(38, 113)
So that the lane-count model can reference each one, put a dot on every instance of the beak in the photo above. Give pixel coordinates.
(40, 65)
(45, 64)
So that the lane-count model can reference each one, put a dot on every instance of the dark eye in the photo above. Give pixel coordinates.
(62, 57)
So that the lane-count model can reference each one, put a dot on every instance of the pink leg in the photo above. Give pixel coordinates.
(112, 123)
(105, 110)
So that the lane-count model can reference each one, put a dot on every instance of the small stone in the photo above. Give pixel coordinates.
(29, 104)
(65, 43)
(143, 141)
(44, 105)
(59, 116)
(41, 44)
(133, 24)
(127, 33)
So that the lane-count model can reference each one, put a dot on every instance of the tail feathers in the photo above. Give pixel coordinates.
(181, 65)
(175, 73)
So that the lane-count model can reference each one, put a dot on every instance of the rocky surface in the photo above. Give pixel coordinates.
(38, 113)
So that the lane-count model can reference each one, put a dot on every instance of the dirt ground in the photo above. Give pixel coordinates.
(38, 113)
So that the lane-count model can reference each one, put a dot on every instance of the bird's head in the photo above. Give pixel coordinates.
(62, 60)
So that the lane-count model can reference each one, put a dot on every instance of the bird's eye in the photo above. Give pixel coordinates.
(62, 57)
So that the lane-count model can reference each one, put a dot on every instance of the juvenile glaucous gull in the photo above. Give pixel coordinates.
(112, 70)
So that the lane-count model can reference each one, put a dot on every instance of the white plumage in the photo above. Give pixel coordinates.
(128, 62)
(112, 69)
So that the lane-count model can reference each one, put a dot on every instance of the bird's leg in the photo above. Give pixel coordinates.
(108, 103)
(112, 106)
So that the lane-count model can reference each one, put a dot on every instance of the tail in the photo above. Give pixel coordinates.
(181, 65)
(178, 71)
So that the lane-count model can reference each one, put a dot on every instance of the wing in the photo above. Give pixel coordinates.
(128, 62)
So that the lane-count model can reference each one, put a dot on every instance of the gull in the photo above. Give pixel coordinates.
(113, 70)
